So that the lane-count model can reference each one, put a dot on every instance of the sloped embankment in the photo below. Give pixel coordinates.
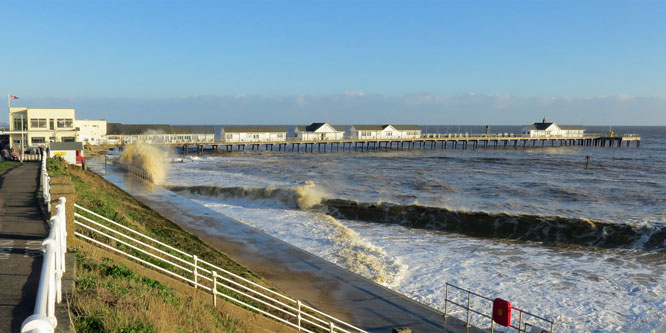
(113, 294)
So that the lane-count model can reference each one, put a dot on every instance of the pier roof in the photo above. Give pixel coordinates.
(315, 126)
(381, 127)
(192, 130)
(254, 129)
(407, 127)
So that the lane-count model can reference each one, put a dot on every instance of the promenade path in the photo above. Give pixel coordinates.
(22, 229)
(298, 273)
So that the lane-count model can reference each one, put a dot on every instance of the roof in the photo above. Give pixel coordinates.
(544, 126)
(137, 129)
(572, 127)
(369, 127)
(407, 127)
(65, 145)
(254, 129)
(192, 130)
(381, 127)
(315, 126)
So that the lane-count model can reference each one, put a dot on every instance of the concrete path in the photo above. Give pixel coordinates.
(22, 229)
(299, 274)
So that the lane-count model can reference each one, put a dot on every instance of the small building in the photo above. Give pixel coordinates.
(90, 132)
(319, 132)
(548, 129)
(385, 132)
(72, 152)
(237, 134)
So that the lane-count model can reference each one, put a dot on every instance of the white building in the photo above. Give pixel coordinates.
(34, 127)
(92, 132)
(385, 132)
(319, 132)
(118, 133)
(238, 134)
(545, 129)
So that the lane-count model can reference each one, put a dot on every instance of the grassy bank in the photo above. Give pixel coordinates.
(6, 165)
(115, 295)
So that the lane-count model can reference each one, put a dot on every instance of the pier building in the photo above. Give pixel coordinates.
(118, 133)
(319, 131)
(237, 134)
(546, 129)
(384, 132)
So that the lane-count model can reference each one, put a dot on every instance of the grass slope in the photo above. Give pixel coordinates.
(115, 295)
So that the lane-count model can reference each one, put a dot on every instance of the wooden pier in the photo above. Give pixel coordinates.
(436, 141)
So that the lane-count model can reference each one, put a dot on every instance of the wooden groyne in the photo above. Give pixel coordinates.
(431, 141)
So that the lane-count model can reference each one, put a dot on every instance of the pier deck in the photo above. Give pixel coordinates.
(432, 141)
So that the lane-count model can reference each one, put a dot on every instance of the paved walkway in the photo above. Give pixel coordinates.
(22, 229)
(298, 273)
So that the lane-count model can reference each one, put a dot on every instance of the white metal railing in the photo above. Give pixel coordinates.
(523, 316)
(45, 180)
(204, 275)
(139, 172)
(49, 291)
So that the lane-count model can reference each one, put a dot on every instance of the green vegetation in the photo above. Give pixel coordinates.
(6, 165)
(110, 297)
(114, 294)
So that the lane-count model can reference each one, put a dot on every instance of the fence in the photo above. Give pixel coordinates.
(523, 324)
(139, 172)
(203, 275)
(49, 291)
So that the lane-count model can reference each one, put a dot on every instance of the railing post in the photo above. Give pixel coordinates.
(520, 318)
(196, 272)
(446, 301)
(468, 307)
(215, 288)
(331, 327)
(299, 315)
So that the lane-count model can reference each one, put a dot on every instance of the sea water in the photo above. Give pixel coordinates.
(379, 214)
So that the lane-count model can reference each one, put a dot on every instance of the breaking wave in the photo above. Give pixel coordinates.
(555, 230)
(302, 197)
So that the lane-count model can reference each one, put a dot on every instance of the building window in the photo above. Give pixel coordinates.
(36, 140)
(365, 133)
(64, 123)
(51, 124)
(17, 124)
(52, 139)
(255, 136)
(280, 135)
(38, 122)
(389, 133)
(67, 139)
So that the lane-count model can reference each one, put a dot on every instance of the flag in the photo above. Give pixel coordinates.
(13, 97)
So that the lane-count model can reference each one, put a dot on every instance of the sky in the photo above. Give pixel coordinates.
(345, 62)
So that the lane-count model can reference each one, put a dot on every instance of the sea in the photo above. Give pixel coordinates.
(576, 235)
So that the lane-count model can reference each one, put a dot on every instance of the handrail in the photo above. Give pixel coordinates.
(469, 309)
(45, 179)
(49, 291)
(206, 276)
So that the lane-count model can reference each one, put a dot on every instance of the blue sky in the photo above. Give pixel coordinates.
(589, 62)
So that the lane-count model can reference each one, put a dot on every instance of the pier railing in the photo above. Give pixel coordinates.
(49, 291)
(477, 305)
(203, 275)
